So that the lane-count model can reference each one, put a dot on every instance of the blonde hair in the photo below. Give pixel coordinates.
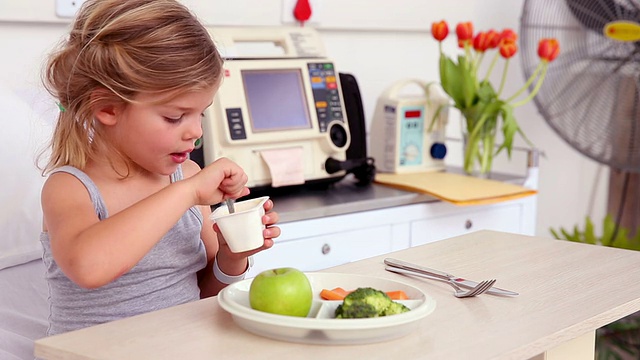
(123, 48)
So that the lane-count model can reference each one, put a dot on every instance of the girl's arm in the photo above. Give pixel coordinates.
(93, 253)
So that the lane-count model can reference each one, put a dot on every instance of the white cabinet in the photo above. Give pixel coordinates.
(323, 251)
(316, 244)
(443, 221)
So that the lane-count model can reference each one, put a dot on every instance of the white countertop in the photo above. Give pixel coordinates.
(345, 196)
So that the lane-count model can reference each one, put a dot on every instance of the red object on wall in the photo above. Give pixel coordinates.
(302, 11)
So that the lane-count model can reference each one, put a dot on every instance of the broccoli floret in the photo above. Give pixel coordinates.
(368, 302)
(376, 298)
(358, 310)
(395, 308)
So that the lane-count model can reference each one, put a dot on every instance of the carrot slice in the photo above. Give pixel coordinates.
(341, 291)
(327, 294)
(397, 295)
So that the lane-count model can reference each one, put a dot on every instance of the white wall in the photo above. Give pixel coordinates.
(378, 41)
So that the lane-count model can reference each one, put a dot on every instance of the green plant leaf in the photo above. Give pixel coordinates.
(567, 235)
(509, 128)
(608, 226)
(486, 93)
(621, 240)
(450, 77)
(467, 82)
(555, 234)
(589, 234)
(635, 242)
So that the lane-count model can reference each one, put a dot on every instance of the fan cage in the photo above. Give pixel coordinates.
(590, 96)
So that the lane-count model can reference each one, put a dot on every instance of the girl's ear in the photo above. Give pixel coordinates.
(105, 109)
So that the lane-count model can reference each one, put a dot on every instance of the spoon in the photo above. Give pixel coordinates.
(231, 205)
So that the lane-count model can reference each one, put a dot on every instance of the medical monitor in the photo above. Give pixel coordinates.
(276, 100)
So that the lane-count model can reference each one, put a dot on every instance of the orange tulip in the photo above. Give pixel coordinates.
(481, 42)
(493, 38)
(464, 31)
(548, 49)
(508, 35)
(440, 30)
(508, 49)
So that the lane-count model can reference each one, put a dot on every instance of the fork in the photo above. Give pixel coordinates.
(481, 288)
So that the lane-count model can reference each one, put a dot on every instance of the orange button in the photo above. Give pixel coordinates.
(331, 79)
(316, 79)
(321, 104)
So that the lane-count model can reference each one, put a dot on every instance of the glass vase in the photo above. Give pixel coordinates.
(478, 145)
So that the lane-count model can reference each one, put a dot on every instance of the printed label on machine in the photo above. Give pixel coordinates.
(411, 135)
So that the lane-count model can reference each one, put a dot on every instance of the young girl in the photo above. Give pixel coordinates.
(126, 213)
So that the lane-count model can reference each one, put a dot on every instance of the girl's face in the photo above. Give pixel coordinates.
(159, 137)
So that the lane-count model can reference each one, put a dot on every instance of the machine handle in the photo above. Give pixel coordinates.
(428, 88)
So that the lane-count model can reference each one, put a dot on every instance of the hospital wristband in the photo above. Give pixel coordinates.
(230, 279)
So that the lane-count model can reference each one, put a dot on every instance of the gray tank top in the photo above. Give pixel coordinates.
(165, 277)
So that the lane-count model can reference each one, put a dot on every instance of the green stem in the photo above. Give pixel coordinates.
(487, 155)
(479, 58)
(467, 53)
(477, 126)
(473, 137)
(470, 154)
(493, 63)
(536, 89)
(476, 67)
(504, 77)
(482, 153)
(527, 84)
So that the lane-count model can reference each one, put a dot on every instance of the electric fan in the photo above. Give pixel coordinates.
(591, 93)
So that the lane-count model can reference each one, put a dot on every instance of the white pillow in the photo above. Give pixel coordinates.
(23, 135)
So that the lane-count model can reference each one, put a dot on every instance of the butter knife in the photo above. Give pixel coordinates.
(403, 267)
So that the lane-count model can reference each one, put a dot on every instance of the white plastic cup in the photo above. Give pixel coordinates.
(243, 229)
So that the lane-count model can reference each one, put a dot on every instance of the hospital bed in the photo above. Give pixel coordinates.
(23, 289)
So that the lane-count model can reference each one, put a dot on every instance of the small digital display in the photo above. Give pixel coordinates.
(412, 114)
(276, 100)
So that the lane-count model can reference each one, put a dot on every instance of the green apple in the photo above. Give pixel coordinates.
(283, 291)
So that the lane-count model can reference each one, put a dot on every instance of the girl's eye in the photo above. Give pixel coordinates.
(173, 120)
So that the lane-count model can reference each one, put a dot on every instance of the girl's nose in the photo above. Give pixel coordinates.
(194, 130)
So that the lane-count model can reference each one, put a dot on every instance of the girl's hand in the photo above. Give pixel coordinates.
(220, 180)
(269, 219)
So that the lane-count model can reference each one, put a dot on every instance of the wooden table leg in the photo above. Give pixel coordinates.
(581, 348)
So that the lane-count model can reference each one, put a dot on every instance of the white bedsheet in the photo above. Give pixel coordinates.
(23, 309)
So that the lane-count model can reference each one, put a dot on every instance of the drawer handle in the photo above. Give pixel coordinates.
(468, 224)
(326, 249)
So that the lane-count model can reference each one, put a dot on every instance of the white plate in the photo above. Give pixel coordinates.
(320, 326)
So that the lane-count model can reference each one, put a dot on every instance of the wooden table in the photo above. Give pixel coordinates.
(567, 291)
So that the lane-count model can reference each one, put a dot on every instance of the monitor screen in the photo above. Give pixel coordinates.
(276, 99)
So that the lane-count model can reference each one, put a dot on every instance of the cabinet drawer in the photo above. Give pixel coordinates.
(321, 252)
(505, 218)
